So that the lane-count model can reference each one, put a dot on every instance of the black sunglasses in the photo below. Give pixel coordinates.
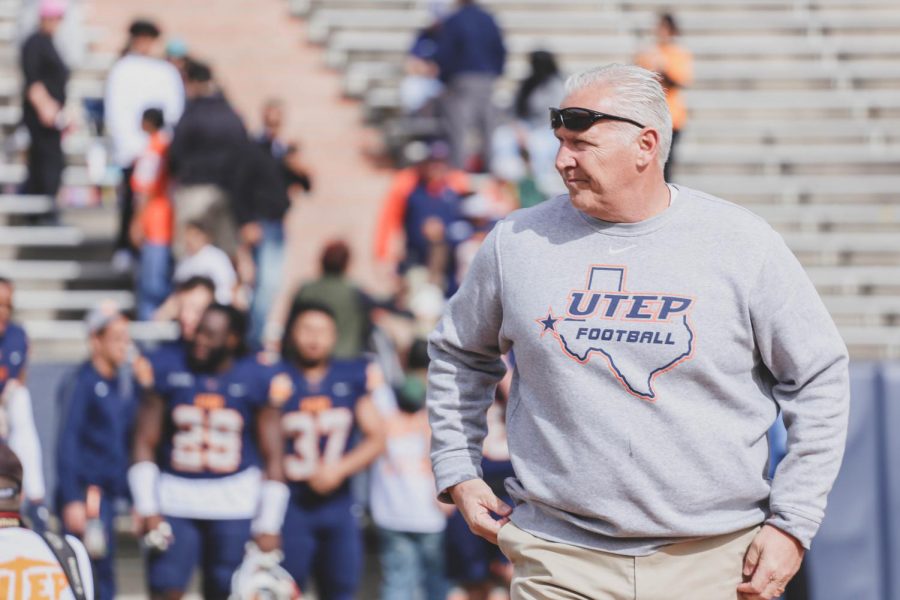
(581, 119)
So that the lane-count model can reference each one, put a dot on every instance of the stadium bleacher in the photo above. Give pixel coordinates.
(794, 113)
(61, 270)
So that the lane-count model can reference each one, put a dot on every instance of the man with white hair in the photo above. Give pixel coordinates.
(657, 333)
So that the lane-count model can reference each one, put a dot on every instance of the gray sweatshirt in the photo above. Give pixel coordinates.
(651, 359)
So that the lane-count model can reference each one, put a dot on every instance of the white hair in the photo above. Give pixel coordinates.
(637, 94)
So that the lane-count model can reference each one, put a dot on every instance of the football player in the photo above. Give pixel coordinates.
(16, 419)
(333, 431)
(208, 422)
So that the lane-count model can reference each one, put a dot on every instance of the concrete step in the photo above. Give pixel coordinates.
(24, 204)
(34, 271)
(67, 330)
(69, 300)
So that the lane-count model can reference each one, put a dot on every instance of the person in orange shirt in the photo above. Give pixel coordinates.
(675, 66)
(151, 227)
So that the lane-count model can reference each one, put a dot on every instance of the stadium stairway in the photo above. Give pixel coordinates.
(59, 263)
(795, 113)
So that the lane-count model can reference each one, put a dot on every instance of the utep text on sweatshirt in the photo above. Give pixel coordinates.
(651, 359)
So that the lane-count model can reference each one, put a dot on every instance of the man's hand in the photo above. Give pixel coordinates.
(773, 558)
(136, 232)
(75, 518)
(156, 533)
(476, 502)
(251, 234)
(267, 542)
(326, 479)
(150, 523)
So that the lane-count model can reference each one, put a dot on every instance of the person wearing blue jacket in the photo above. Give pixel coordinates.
(92, 457)
(470, 55)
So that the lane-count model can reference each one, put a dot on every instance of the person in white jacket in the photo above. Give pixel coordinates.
(137, 81)
(31, 565)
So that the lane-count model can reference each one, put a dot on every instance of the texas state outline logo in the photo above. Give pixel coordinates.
(640, 334)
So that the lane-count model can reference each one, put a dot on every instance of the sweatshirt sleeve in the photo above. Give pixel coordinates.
(466, 365)
(68, 449)
(800, 345)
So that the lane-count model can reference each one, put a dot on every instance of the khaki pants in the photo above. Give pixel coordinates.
(209, 205)
(706, 569)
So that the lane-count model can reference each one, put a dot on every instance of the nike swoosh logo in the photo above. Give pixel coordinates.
(620, 250)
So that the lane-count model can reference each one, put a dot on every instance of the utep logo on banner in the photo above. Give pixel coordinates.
(639, 334)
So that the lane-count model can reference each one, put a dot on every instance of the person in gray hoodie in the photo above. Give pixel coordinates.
(657, 333)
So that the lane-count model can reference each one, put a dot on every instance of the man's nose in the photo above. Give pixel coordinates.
(564, 159)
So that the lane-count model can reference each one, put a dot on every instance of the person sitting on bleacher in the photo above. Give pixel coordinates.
(423, 201)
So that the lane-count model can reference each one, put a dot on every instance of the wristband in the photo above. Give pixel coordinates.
(143, 479)
(273, 501)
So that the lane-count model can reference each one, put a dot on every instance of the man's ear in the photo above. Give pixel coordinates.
(648, 147)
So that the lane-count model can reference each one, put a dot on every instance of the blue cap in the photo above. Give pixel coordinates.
(176, 48)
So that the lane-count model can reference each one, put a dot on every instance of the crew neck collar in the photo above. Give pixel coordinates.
(640, 227)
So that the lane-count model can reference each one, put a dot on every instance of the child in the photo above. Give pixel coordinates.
(409, 519)
(151, 228)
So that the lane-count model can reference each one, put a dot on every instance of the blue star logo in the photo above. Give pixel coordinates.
(548, 323)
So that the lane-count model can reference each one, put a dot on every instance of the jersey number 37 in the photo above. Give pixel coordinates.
(318, 438)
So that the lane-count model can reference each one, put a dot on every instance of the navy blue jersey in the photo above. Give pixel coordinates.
(13, 353)
(210, 419)
(93, 446)
(318, 421)
(167, 356)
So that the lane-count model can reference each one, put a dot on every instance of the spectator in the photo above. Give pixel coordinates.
(272, 167)
(45, 76)
(177, 56)
(423, 201)
(187, 304)
(501, 189)
(152, 224)
(409, 520)
(675, 67)
(208, 144)
(471, 56)
(286, 152)
(350, 305)
(421, 85)
(136, 82)
(63, 564)
(539, 91)
(477, 210)
(93, 443)
(203, 259)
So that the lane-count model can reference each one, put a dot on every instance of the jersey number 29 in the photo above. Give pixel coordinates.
(206, 440)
